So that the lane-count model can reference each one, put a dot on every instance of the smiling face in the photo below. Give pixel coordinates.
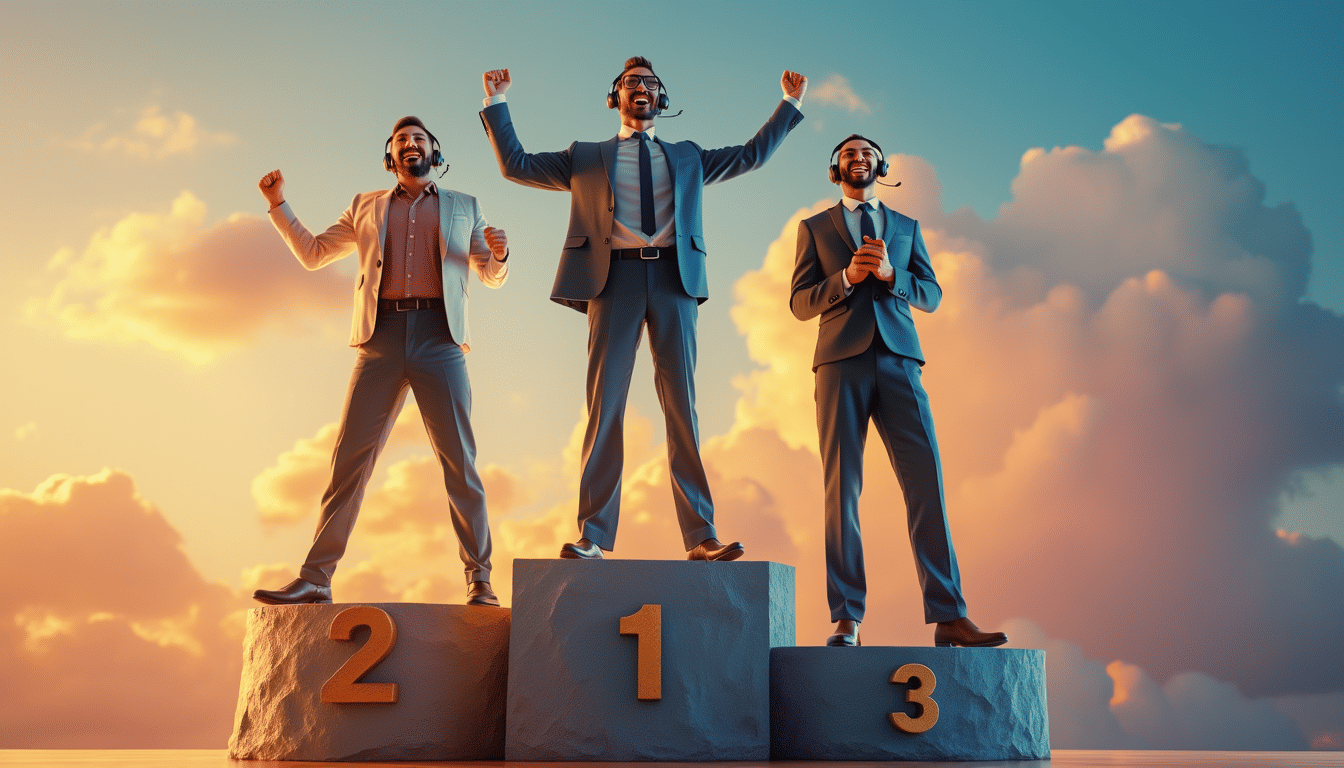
(411, 150)
(858, 163)
(638, 103)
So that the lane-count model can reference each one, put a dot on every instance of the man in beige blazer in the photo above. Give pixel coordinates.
(416, 243)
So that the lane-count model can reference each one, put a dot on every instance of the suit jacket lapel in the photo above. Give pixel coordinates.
(608, 150)
(670, 156)
(838, 219)
(380, 211)
(447, 205)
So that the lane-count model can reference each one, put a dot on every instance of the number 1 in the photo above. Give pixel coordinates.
(647, 625)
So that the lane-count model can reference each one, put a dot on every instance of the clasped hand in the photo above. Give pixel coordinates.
(870, 259)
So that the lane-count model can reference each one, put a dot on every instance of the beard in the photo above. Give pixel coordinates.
(859, 182)
(418, 168)
(647, 112)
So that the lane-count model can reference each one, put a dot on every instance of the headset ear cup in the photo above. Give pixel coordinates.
(663, 101)
(882, 168)
(835, 174)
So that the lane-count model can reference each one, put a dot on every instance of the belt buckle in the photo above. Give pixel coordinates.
(406, 305)
(642, 251)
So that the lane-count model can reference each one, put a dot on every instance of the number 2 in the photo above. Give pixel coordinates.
(344, 687)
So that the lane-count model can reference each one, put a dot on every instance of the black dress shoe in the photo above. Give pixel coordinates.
(298, 592)
(964, 633)
(711, 549)
(480, 593)
(843, 640)
(583, 549)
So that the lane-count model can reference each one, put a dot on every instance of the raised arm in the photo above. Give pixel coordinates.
(729, 162)
(312, 251)
(545, 170)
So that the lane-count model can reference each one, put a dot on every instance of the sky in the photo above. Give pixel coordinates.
(1137, 371)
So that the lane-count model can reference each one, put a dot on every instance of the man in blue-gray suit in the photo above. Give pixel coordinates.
(862, 266)
(634, 255)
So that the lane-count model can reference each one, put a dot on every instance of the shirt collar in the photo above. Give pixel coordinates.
(432, 189)
(627, 132)
(852, 205)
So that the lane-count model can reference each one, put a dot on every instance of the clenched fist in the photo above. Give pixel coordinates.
(272, 187)
(496, 81)
(794, 84)
(498, 242)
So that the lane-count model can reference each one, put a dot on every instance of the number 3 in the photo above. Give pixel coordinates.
(920, 694)
(344, 686)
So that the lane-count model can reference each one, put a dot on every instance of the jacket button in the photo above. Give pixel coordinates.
(606, 240)
(611, 207)
(379, 264)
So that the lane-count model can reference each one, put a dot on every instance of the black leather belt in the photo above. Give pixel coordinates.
(406, 305)
(648, 254)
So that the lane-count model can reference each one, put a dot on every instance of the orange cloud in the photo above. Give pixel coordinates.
(112, 638)
(172, 282)
(155, 136)
(836, 91)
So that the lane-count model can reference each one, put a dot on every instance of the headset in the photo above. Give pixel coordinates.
(435, 156)
(882, 165)
(614, 95)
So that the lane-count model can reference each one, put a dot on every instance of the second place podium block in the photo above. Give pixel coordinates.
(644, 659)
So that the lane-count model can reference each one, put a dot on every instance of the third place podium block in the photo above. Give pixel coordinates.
(629, 660)
(897, 703)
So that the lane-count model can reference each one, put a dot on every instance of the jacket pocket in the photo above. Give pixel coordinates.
(576, 241)
(698, 243)
(360, 284)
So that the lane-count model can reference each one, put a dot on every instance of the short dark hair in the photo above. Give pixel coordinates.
(637, 61)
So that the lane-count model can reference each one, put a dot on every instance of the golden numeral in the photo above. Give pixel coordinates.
(647, 625)
(921, 694)
(344, 686)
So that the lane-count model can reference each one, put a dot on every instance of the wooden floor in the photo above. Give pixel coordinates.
(1062, 758)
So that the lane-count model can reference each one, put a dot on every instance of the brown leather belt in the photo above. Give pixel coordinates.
(648, 254)
(406, 305)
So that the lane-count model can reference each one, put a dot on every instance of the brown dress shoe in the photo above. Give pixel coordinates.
(583, 549)
(963, 632)
(298, 592)
(480, 593)
(711, 549)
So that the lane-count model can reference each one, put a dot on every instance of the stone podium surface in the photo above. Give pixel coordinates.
(582, 666)
(445, 672)
(838, 704)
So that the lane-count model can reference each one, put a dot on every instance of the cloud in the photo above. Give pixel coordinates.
(172, 282)
(25, 431)
(1119, 706)
(836, 92)
(154, 136)
(111, 638)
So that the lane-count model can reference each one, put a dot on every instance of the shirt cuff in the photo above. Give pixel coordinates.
(795, 102)
(491, 101)
(844, 280)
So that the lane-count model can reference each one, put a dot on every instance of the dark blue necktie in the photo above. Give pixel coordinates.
(866, 228)
(646, 221)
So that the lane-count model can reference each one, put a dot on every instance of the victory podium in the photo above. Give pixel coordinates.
(620, 660)
(388, 681)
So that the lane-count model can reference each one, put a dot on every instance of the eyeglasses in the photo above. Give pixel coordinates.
(651, 82)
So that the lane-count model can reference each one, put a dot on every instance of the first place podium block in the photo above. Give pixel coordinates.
(896, 703)
(628, 660)
(385, 681)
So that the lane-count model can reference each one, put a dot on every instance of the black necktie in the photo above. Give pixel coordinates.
(646, 221)
(866, 228)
